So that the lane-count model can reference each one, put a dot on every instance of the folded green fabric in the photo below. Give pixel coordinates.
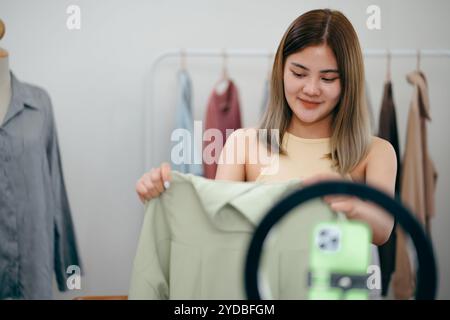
(195, 236)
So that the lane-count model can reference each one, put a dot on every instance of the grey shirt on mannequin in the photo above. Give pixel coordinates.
(36, 231)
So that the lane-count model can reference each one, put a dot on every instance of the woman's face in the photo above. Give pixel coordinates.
(311, 83)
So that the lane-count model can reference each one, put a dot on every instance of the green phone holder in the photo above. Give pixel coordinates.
(339, 259)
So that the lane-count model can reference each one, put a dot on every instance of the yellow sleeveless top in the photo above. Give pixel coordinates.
(304, 158)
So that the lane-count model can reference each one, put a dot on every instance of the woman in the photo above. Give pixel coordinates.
(317, 104)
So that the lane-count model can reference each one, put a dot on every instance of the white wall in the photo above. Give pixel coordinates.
(98, 78)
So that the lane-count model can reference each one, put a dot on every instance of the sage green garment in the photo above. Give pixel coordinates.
(195, 236)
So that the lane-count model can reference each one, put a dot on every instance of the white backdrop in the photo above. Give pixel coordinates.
(98, 78)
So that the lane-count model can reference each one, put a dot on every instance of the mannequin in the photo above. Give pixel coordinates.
(37, 237)
(5, 79)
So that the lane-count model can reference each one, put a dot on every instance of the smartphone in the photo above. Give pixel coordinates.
(339, 261)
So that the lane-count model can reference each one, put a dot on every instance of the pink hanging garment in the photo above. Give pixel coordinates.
(223, 112)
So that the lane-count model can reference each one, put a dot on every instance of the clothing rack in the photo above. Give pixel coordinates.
(149, 113)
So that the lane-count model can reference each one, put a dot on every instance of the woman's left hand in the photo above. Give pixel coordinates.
(345, 204)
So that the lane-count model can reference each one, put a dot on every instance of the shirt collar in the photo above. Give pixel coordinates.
(21, 97)
(225, 99)
(418, 78)
(251, 199)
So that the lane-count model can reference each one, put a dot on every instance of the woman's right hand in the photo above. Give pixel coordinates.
(154, 182)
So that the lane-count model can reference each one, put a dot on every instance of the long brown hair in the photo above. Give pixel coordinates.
(350, 125)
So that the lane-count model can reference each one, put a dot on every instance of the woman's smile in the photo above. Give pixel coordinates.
(309, 104)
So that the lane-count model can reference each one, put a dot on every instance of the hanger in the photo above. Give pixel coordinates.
(388, 66)
(223, 83)
(183, 59)
(3, 52)
(418, 60)
(224, 65)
